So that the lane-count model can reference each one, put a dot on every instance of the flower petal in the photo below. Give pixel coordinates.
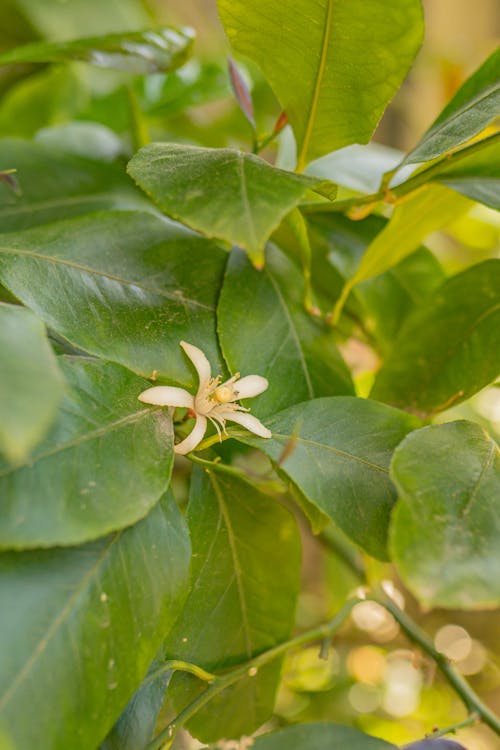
(251, 385)
(194, 437)
(199, 360)
(249, 422)
(166, 395)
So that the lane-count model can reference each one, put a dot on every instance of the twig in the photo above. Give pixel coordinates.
(249, 668)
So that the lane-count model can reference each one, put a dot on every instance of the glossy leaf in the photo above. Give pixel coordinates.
(126, 286)
(51, 95)
(222, 193)
(383, 302)
(264, 328)
(55, 185)
(477, 176)
(445, 531)
(136, 726)
(55, 20)
(423, 212)
(89, 140)
(446, 352)
(103, 465)
(336, 67)
(31, 384)
(80, 626)
(150, 51)
(242, 593)
(476, 103)
(338, 452)
(319, 736)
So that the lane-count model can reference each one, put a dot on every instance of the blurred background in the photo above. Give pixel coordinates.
(373, 678)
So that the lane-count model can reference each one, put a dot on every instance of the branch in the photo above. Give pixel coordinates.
(249, 668)
(391, 195)
(471, 700)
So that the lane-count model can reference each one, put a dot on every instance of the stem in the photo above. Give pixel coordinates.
(411, 184)
(249, 669)
(176, 665)
(218, 466)
(472, 701)
(208, 442)
(468, 722)
(138, 126)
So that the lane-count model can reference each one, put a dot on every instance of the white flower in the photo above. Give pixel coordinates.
(214, 400)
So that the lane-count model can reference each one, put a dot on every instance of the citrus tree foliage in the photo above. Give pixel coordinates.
(143, 255)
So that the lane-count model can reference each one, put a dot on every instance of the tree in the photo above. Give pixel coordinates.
(152, 282)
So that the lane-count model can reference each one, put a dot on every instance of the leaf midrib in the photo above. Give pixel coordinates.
(60, 448)
(10, 209)
(301, 160)
(103, 274)
(331, 448)
(294, 333)
(484, 469)
(238, 572)
(56, 624)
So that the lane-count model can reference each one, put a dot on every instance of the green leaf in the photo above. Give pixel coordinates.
(338, 454)
(263, 329)
(150, 51)
(50, 96)
(31, 385)
(447, 351)
(474, 105)
(319, 736)
(90, 140)
(423, 212)
(56, 20)
(336, 67)
(222, 193)
(55, 185)
(80, 626)
(445, 529)
(103, 465)
(477, 176)
(126, 286)
(242, 594)
(383, 302)
(136, 725)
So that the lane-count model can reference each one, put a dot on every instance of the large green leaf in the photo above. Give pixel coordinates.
(447, 351)
(320, 736)
(241, 594)
(338, 454)
(57, 185)
(474, 105)
(477, 176)
(103, 465)
(333, 64)
(223, 193)
(264, 329)
(125, 286)
(31, 384)
(150, 51)
(80, 626)
(446, 526)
